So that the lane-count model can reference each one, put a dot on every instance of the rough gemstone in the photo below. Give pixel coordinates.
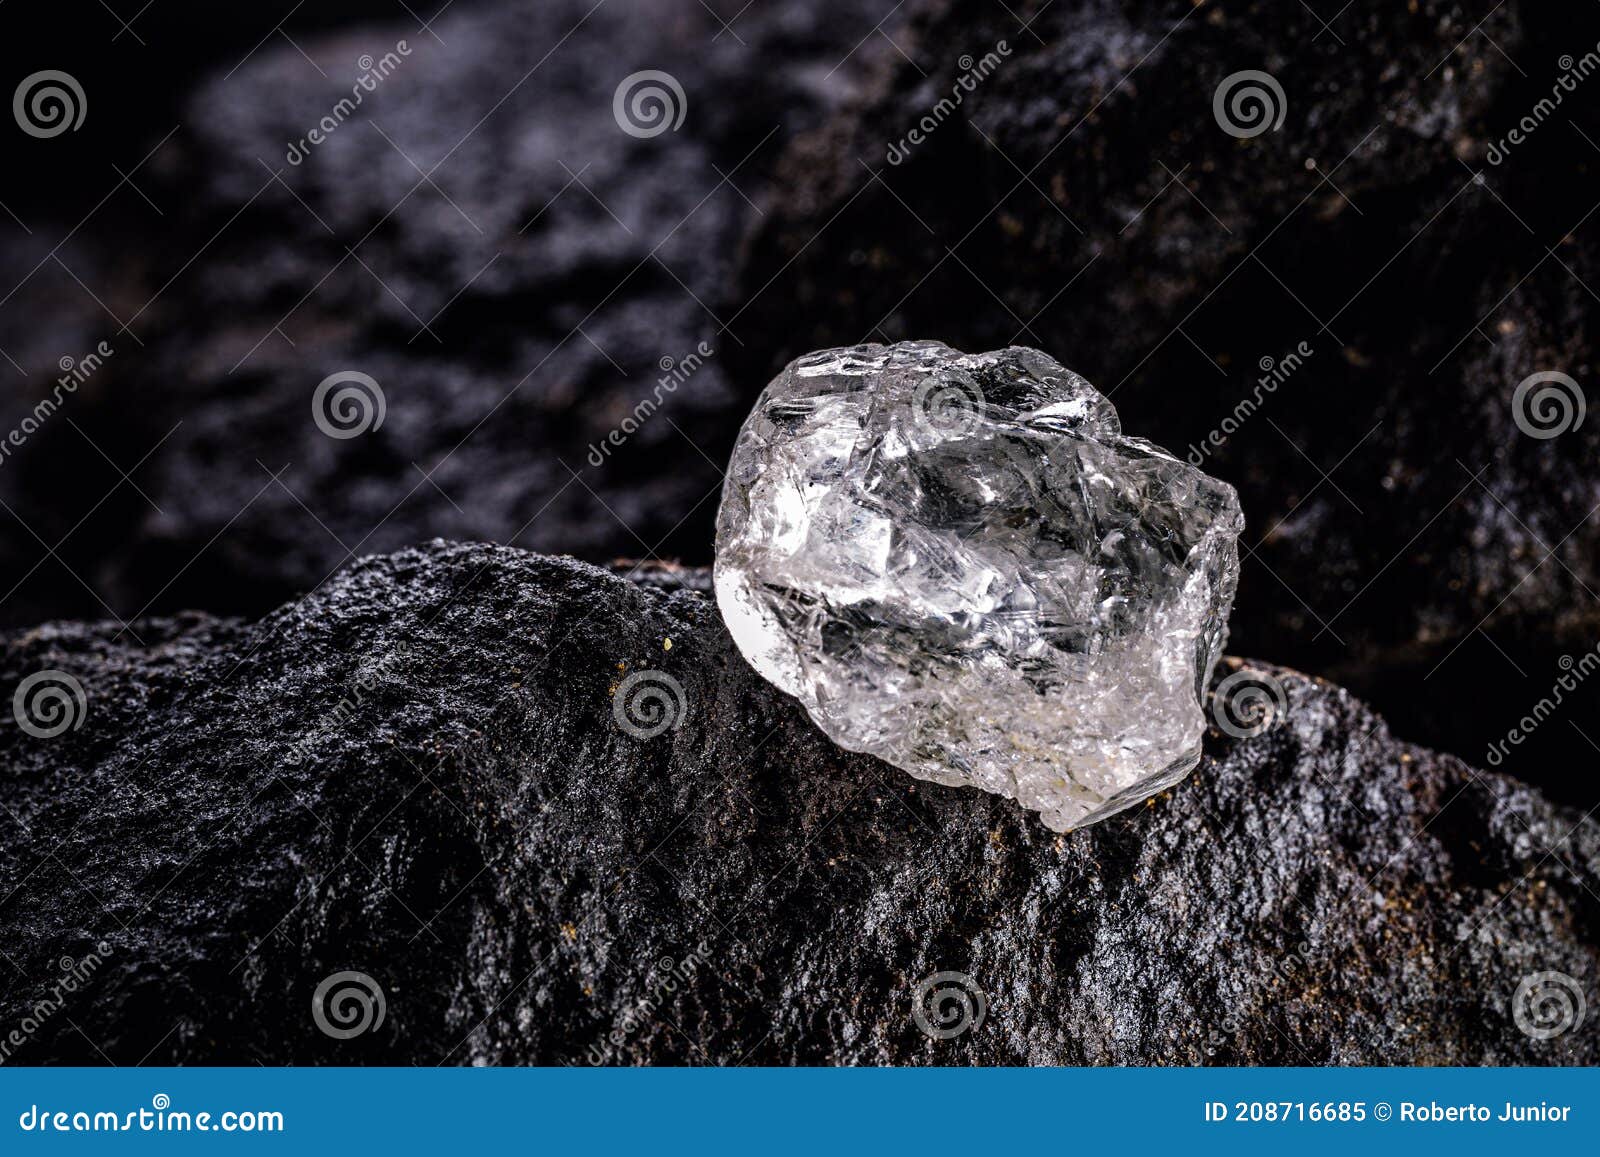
(960, 564)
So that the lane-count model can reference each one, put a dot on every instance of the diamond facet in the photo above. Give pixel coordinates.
(959, 563)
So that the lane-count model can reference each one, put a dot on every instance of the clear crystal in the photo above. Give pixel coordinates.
(959, 563)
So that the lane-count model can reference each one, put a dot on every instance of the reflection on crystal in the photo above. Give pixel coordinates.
(958, 563)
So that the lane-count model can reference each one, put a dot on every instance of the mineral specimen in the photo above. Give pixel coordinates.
(959, 563)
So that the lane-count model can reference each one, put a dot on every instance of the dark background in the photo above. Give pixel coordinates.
(485, 242)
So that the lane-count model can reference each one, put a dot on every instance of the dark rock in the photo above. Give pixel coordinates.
(1406, 538)
(515, 305)
(415, 773)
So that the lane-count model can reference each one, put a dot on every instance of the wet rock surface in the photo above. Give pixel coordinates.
(419, 772)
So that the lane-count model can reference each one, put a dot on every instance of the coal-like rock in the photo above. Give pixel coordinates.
(420, 774)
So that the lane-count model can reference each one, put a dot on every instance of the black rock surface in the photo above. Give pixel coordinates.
(416, 773)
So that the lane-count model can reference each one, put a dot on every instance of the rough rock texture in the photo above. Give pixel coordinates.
(473, 830)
